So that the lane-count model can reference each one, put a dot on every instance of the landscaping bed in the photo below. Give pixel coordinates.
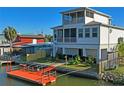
(116, 76)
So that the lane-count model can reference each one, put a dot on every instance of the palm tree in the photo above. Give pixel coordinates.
(48, 38)
(10, 34)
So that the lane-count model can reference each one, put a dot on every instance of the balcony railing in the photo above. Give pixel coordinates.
(59, 39)
(74, 21)
(66, 39)
(70, 39)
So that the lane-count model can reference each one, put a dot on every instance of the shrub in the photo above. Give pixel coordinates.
(75, 61)
(90, 60)
(71, 62)
(60, 56)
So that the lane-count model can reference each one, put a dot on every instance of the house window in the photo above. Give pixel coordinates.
(87, 32)
(94, 32)
(80, 33)
(89, 14)
(120, 40)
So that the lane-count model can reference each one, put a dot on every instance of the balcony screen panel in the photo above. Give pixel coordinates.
(89, 14)
(66, 32)
(66, 18)
(80, 16)
(55, 32)
(73, 32)
(60, 33)
(73, 17)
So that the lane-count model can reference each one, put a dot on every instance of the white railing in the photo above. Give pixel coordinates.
(59, 39)
(80, 20)
(70, 39)
(66, 39)
(74, 21)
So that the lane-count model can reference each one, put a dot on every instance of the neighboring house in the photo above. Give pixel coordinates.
(35, 51)
(4, 45)
(29, 39)
(86, 32)
(33, 48)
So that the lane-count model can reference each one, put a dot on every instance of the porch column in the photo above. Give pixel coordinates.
(63, 50)
(54, 51)
(63, 36)
(100, 68)
(76, 34)
(84, 52)
(1, 51)
(98, 55)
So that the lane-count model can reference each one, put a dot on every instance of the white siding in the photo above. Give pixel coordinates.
(88, 19)
(103, 35)
(101, 19)
(97, 18)
(109, 39)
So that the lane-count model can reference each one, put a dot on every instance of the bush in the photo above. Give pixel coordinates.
(60, 56)
(71, 62)
(75, 61)
(90, 60)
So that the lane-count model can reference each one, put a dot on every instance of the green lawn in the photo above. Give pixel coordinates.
(45, 60)
(120, 69)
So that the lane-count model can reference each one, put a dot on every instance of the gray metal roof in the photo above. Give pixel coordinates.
(86, 8)
(98, 23)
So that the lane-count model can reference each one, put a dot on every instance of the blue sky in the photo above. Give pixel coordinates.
(41, 19)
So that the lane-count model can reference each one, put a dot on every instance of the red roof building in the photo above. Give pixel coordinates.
(29, 39)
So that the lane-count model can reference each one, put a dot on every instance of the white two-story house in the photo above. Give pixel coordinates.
(86, 32)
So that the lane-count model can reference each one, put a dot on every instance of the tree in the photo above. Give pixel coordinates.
(48, 38)
(10, 34)
(120, 48)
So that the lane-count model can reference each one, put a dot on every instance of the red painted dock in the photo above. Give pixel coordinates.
(42, 77)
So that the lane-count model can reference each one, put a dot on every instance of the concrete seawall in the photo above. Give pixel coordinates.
(77, 73)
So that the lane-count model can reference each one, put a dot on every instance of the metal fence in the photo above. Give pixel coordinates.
(111, 62)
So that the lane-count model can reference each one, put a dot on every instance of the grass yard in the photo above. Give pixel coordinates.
(120, 69)
(45, 60)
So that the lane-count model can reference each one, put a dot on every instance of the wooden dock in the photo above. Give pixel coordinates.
(42, 77)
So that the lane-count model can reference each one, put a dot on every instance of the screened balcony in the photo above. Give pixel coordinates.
(65, 35)
(70, 35)
(73, 18)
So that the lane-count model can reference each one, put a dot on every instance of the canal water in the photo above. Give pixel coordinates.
(61, 81)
